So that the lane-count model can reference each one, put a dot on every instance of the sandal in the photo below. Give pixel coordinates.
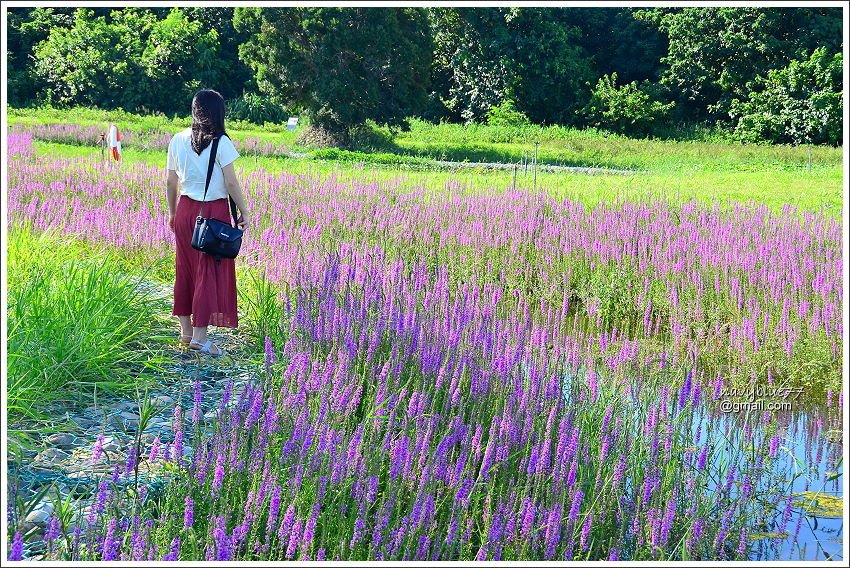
(185, 339)
(206, 348)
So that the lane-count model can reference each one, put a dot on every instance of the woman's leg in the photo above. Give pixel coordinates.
(186, 326)
(213, 293)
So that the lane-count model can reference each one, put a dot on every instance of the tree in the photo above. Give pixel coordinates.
(27, 27)
(178, 58)
(484, 56)
(234, 78)
(617, 42)
(798, 104)
(470, 71)
(716, 53)
(549, 71)
(88, 63)
(135, 59)
(342, 65)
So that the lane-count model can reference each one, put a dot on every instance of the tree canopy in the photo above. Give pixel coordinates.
(343, 66)
(798, 104)
(640, 71)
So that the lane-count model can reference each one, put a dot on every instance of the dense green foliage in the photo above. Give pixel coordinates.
(506, 114)
(628, 109)
(26, 29)
(127, 61)
(342, 65)
(676, 68)
(716, 53)
(530, 55)
(798, 104)
(133, 59)
(255, 108)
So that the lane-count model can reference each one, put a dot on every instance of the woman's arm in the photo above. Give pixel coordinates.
(171, 183)
(235, 190)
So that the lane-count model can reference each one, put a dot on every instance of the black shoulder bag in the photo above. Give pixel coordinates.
(211, 236)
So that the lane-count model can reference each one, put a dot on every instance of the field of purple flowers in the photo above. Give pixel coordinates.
(475, 374)
(143, 139)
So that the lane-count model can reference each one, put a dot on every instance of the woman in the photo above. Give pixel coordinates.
(204, 288)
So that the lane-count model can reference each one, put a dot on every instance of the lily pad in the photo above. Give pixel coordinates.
(833, 436)
(820, 504)
(764, 535)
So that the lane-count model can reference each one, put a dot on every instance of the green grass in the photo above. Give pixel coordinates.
(79, 323)
(820, 189)
(589, 147)
(559, 145)
(84, 115)
(676, 170)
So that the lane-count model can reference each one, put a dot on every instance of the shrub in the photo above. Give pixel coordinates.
(506, 114)
(800, 103)
(631, 109)
(320, 137)
(371, 137)
(255, 109)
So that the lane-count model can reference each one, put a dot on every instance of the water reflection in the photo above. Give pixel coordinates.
(804, 481)
(789, 461)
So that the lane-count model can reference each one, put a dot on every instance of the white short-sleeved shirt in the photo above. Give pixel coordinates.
(191, 168)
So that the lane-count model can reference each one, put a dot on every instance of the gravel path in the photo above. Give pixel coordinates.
(510, 167)
(540, 167)
(63, 460)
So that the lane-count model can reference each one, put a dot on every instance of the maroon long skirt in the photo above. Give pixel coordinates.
(204, 288)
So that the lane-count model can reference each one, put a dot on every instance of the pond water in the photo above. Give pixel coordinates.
(808, 468)
(799, 492)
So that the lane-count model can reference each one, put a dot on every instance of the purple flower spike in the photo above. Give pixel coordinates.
(196, 409)
(271, 357)
(97, 451)
(154, 452)
(222, 541)
(110, 548)
(175, 550)
(574, 509)
(53, 528)
(703, 455)
(17, 550)
(189, 513)
(742, 544)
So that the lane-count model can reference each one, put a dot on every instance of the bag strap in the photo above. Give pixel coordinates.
(213, 151)
(233, 209)
(210, 170)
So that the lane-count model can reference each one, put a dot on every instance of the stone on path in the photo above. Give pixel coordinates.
(67, 453)
(162, 400)
(38, 517)
(63, 441)
(50, 456)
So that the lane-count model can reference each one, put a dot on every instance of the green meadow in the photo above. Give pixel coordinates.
(708, 171)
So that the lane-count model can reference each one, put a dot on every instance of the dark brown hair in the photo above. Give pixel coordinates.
(207, 118)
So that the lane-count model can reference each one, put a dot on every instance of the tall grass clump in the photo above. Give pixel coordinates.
(75, 323)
